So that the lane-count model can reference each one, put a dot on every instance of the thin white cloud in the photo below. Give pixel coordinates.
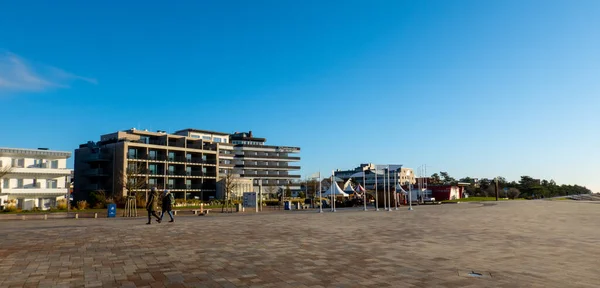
(20, 75)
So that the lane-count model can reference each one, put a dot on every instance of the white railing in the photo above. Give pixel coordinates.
(33, 191)
(60, 171)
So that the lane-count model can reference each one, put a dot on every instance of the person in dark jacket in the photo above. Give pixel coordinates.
(151, 206)
(167, 204)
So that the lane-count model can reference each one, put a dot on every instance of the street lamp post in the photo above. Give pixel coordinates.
(376, 191)
(364, 192)
(409, 191)
(389, 191)
(395, 188)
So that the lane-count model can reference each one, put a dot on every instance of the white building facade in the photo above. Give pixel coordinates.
(36, 177)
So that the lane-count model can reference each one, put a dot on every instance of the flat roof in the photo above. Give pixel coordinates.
(27, 151)
(202, 131)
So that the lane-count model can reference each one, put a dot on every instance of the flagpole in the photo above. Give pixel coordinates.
(376, 191)
(364, 192)
(395, 186)
(335, 192)
(320, 202)
(385, 205)
(389, 191)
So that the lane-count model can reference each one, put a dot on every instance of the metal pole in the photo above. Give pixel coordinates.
(395, 188)
(376, 191)
(364, 192)
(409, 196)
(389, 191)
(260, 194)
(385, 206)
(333, 194)
(320, 202)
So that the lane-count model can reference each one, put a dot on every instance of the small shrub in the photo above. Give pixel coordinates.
(82, 205)
(513, 193)
(61, 204)
(98, 199)
(10, 208)
(36, 209)
(271, 202)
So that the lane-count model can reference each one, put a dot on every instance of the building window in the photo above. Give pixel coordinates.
(132, 153)
(19, 183)
(152, 154)
(152, 182)
(18, 163)
(6, 183)
(188, 171)
(54, 164)
(207, 138)
(171, 184)
(171, 170)
(37, 163)
(152, 168)
(171, 156)
(195, 136)
(52, 184)
(217, 139)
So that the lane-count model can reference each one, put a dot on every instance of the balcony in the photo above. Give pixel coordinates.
(97, 157)
(275, 167)
(270, 176)
(92, 187)
(176, 173)
(35, 191)
(98, 172)
(41, 171)
(263, 156)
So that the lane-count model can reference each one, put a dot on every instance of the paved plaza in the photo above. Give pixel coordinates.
(510, 244)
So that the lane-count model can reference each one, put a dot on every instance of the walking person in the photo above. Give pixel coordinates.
(167, 204)
(151, 204)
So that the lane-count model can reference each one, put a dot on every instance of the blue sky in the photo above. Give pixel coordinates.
(475, 88)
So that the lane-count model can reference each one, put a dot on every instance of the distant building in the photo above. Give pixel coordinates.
(37, 177)
(397, 174)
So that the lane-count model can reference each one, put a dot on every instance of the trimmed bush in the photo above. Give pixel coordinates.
(82, 205)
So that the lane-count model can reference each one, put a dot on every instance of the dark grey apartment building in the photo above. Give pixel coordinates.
(189, 162)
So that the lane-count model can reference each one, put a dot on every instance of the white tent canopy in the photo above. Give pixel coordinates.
(349, 188)
(335, 190)
(359, 188)
(400, 189)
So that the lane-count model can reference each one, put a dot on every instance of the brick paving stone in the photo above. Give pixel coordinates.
(519, 243)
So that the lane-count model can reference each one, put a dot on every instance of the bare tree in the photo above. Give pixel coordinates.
(271, 190)
(229, 183)
(3, 172)
(133, 179)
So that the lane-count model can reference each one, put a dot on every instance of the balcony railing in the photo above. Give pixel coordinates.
(283, 157)
(270, 176)
(246, 165)
(95, 172)
(96, 157)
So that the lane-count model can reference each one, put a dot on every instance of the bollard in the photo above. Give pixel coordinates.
(45, 216)
(23, 217)
(76, 215)
(95, 215)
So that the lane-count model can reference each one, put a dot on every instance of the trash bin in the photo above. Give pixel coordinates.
(287, 205)
(112, 210)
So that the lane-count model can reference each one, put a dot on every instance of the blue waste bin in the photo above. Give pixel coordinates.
(287, 205)
(112, 210)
